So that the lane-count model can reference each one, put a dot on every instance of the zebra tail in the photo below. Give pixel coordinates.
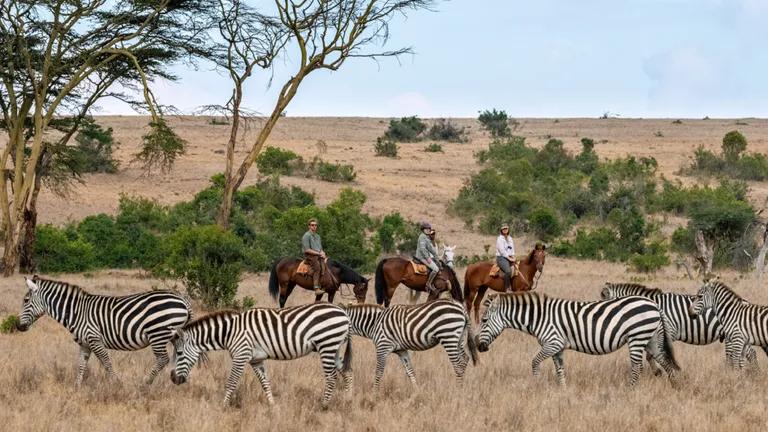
(471, 341)
(667, 341)
(274, 286)
(381, 284)
(347, 362)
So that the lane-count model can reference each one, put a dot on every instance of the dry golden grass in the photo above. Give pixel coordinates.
(37, 392)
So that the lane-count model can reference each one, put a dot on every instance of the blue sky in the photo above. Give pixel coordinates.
(546, 58)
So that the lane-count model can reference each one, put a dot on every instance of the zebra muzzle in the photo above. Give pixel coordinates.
(177, 379)
(482, 347)
(22, 327)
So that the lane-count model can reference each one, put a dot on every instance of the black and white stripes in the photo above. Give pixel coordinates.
(253, 336)
(743, 324)
(400, 329)
(99, 323)
(590, 327)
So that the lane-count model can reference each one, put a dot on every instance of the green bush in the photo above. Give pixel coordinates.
(9, 324)
(652, 259)
(160, 147)
(753, 166)
(273, 160)
(444, 130)
(544, 224)
(385, 147)
(57, 252)
(207, 259)
(406, 129)
(734, 144)
(495, 122)
(396, 235)
(434, 148)
(331, 172)
(587, 161)
(93, 149)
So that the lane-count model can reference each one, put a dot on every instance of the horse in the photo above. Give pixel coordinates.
(447, 257)
(477, 279)
(391, 272)
(283, 278)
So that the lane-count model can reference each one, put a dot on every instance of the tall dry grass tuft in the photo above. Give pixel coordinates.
(37, 381)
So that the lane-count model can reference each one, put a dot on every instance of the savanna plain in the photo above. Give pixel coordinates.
(499, 393)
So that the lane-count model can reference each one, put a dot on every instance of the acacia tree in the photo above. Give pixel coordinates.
(321, 35)
(59, 57)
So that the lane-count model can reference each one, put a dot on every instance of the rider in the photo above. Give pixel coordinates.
(505, 255)
(314, 254)
(426, 254)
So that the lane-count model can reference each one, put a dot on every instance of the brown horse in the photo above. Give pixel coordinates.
(391, 272)
(283, 279)
(477, 279)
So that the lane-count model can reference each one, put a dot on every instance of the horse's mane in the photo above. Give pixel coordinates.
(346, 271)
(210, 316)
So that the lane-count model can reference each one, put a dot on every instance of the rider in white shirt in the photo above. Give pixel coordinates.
(505, 255)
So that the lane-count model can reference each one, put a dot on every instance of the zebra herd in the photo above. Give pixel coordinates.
(646, 320)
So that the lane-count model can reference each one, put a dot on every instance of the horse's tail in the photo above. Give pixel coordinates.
(471, 343)
(274, 285)
(381, 284)
(455, 285)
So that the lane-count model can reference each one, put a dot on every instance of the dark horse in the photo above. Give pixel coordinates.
(391, 272)
(477, 279)
(283, 278)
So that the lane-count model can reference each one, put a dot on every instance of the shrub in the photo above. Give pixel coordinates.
(207, 259)
(248, 303)
(57, 252)
(495, 122)
(160, 147)
(275, 160)
(734, 144)
(752, 166)
(9, 324)
(385, 147)
(444, 130)
(93, 149)
(544, 223)
(331, 172)
(407, 129)
(587, 161)
(652, 259)
(396, 235)
(705, 161)
(434, 148)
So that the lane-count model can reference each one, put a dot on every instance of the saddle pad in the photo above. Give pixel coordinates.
(494, 271)
(303, 268)
(419, 269)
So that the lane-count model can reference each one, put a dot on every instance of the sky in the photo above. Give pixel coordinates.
(545, 58)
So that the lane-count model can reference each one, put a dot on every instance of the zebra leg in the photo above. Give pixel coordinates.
(405, 359)
(456, 355)
(734, 350)
(382, 351)
(160, 350)
(557, 359)
(238, 366)
(261, 373)
(751, 356)
(82, 364)
(328, 359)
(103, 356)
(636, 362)
(652, 363)
(548, 349)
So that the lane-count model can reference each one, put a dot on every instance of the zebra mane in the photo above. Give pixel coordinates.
(636, 286)
(717, 285)
(48, 282)
(213, 315)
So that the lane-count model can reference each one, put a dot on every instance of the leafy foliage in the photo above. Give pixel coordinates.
(444, 130)
(495, 122)
(434, 148)
(274, 160)
(733, 162)
(8, 325)
(385, 147)
(406, 129)
(160, 147)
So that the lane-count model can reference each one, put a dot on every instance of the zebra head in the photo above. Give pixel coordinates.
(185, 354)
(705, 299)
(491, 325)
(33, 307)
(608, 292)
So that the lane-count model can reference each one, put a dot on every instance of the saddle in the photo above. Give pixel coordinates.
(303, 268)
(496, 271)
(418, 268)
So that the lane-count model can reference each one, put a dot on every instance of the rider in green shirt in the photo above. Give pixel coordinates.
(427, 254)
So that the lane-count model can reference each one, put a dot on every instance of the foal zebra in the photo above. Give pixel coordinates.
(743, 324)
(403, 328)
(99, 323)
(253, 336)
(589, 327)
(702, 329)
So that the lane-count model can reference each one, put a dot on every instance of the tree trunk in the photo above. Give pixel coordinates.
(706, 253)
(11, 252)
(760, 260)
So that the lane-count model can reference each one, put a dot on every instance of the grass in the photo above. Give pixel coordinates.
(37, 392)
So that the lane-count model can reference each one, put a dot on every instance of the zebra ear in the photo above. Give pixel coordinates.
(176, 333)
(31, 285)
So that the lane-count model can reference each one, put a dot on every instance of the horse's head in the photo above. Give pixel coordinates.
(361, 290)
(448, 255)
(539, 256)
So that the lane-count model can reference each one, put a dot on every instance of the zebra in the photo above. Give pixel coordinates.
(99, 322)
(743, 324)
(590, 327)
(253, 336)
(702, 329)
(403, 328)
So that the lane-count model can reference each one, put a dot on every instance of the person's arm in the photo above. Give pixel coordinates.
(512, 252)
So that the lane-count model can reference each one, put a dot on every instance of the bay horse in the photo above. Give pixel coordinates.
(477, 279)
(391, 272)
(283, 279)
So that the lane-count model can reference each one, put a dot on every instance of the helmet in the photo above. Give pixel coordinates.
(425, 225)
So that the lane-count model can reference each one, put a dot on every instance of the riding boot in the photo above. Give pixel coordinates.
(431, 282)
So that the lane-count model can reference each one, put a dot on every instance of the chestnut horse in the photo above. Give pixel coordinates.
(391, 272)
(283, 278)
(477, 279)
